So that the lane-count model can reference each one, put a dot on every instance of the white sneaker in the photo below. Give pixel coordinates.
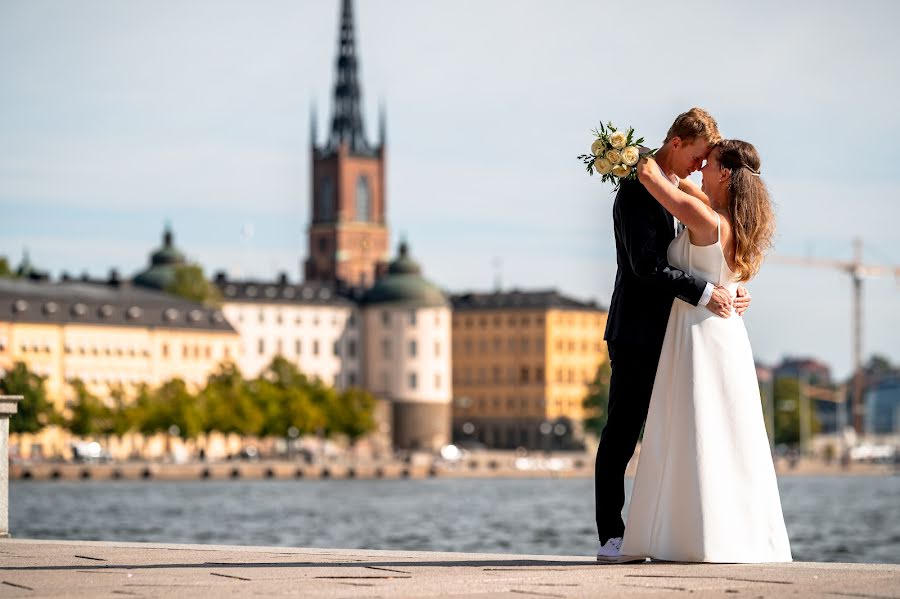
(611, 553)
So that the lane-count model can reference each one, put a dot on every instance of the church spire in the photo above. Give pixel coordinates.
(346, 122)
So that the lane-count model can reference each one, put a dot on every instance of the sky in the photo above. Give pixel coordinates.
(116, 117)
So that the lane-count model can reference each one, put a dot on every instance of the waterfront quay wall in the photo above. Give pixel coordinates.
(487, 465)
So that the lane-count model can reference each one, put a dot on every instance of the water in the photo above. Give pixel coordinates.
(848, 519)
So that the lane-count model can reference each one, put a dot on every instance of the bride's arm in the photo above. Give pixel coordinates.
(696, 215)
(691, 188)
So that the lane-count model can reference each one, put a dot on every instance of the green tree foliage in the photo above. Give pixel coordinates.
(190, 283)
(787, 411)
(597, 401)
(351, 412)
(35, 411)
(88, 415)
(176, 406)
(282, 394)
(229, 403)
(5, 270)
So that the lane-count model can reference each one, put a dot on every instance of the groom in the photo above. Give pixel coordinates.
(645, 287)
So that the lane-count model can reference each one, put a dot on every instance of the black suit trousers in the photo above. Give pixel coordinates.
(631, 383)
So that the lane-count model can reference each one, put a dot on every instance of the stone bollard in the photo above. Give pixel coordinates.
(8, 405)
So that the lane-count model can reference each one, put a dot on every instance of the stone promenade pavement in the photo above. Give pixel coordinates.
(30, 568)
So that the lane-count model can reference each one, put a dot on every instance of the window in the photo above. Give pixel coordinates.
(326, 198)
(316, 347)
(337, 348)
(351, 379)
(437, 348)
(538, 374)
(386, 348)
(261, 346)
(298, 346)
(412, 317)
(412, 348)
(482, 346)
(468, 345)
(524, 374)
(165, 350)
(413, 380)
(496, 374)
(278, 318)
(351, 348)
(362, 199)
(385, 318)
(262, 316)
(385, 381)
(279, 347)
(437, 381)
(351, 321)
(497, 344)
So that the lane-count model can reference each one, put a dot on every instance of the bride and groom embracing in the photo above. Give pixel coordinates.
(705, 488)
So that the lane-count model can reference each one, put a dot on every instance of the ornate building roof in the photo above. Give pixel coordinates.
(105, 303)
(163, 263)
(404, 284)
(546, 299)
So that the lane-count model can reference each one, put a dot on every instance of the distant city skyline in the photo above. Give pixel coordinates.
(117, 117)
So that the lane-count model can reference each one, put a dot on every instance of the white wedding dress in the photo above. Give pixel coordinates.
(705, 489)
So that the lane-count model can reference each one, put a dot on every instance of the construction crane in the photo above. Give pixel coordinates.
(857, 271)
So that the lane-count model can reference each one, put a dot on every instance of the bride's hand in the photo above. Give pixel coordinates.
(645, 168)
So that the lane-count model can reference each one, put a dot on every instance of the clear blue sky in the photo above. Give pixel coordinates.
(115, 116)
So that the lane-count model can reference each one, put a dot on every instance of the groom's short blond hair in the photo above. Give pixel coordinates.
(695, 123)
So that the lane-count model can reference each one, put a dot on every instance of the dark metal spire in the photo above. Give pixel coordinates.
(346, 122)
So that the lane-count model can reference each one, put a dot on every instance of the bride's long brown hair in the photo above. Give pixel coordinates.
(752, 214)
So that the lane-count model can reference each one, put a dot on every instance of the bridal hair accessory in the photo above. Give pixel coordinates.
(614, 154)
(753, 172)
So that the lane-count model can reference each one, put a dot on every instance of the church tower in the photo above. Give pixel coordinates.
(348, 234)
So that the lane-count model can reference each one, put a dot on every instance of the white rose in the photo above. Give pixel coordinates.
(620, 170)
(602, 165)
(618, 140)
(597, 147)
(631, 155)
(614, 156)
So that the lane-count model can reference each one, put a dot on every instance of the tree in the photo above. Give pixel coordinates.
(351, 412)
(190, 284)
(282, 394)
(787, 411)
(597, 402)
(5, 270)
(229, 403)
(88, 415)
(176, 406)
(35, 411)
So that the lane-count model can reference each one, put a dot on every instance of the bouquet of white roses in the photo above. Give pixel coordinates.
(614, 154)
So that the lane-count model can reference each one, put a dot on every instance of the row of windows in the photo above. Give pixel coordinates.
(523, 403)
(412, 348)
(279, 319)
(363, 204)
(520, 375)
(411, 318)
(572, 319)
(412, 381)
(187, 351)
(523, 345)
(280, 346)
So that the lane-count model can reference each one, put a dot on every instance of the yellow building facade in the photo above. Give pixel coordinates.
(522, 365)
(108, 336)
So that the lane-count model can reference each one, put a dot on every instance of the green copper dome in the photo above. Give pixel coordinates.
(163, 262)
(404, 284)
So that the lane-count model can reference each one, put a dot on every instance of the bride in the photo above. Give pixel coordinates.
(705, 489)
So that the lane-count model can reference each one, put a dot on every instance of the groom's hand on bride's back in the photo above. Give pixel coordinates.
(742, 301)
(720, 302)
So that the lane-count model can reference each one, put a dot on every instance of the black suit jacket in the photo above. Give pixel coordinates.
(646, 284)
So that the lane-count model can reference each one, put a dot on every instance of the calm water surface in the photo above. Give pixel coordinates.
(848, 519)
